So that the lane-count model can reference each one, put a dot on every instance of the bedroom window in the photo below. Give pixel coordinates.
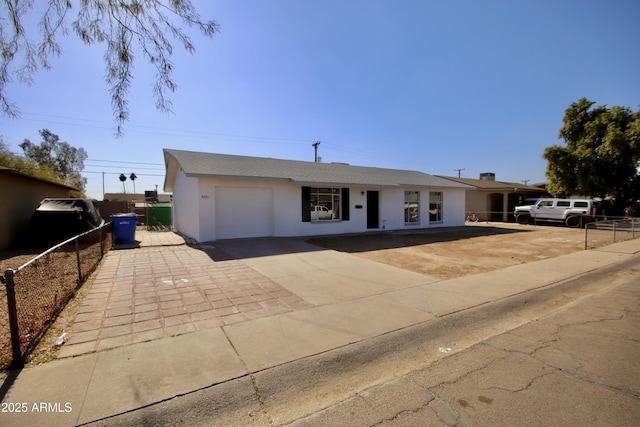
(435, 206)
(411, 207)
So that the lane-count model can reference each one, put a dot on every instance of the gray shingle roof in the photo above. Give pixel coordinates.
(197, 164)
(483, 184)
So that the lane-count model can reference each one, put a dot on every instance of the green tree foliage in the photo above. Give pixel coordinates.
(124, 28)
(6, 156)
(601, 154)
(65, 161)
(23, 165)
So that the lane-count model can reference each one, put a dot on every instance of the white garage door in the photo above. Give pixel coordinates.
(243, 212)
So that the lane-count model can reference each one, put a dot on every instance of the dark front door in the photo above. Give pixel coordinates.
(495, 203)
(373, 213)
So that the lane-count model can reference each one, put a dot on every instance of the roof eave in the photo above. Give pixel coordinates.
(237, 177)
(171, 166)
(9, 171)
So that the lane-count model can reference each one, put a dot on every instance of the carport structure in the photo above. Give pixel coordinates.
(496, 200)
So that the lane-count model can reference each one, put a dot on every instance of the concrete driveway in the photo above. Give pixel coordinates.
(318, 275)
(161, 287)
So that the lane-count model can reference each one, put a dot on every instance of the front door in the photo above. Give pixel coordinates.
(373, 211)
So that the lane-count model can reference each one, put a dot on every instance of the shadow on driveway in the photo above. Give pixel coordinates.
(225, 250)
(394, 239)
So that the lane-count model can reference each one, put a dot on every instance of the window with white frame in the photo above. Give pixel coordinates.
(435, 206)
(411, 207)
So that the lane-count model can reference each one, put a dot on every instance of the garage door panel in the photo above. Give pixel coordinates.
(244, 212)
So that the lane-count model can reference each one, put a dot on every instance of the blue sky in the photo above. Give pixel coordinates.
(424, 85)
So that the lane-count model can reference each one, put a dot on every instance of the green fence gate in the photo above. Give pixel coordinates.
(159, 216)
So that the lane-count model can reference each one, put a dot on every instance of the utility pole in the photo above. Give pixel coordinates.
(458, 170)
(315, 146)
(526, 181)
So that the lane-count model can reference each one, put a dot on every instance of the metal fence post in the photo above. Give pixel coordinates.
(78, 260)
(614, 231)
(586, 232)
(13, 319)
(101, 243)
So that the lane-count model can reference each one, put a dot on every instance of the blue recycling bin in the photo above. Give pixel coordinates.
(124, 227)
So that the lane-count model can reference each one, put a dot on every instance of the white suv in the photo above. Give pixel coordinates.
(573, 212)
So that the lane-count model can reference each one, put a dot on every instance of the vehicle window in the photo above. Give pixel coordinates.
(546, 203)
(581, 204)
(564, 203)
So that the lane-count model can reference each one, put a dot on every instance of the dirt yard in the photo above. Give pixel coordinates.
(455, 252)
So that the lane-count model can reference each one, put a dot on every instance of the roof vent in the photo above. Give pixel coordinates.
(488, 176)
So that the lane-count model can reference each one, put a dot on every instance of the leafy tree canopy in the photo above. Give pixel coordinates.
(66, 162)
(122, 27)
(23, 165)
(601, 154)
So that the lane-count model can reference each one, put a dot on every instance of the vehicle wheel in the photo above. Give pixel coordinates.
(523, 219)
(573, 221)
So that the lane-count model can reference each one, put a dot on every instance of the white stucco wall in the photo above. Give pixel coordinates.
(454, 208)
(186, 218)
(206, 199)
(195, 208)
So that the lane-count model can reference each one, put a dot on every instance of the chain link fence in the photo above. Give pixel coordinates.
(35, 293)
(601, 232)
(5, 330)
(489, 216)
(606, 232)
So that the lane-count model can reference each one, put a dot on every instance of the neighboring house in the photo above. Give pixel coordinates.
(495, 200)
(218, 196)
(21, 194)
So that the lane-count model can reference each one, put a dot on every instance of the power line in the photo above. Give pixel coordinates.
(184, 133)
(166, 131)
(118, 173)
(117, 161)
(120, 167)
(216, 136)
